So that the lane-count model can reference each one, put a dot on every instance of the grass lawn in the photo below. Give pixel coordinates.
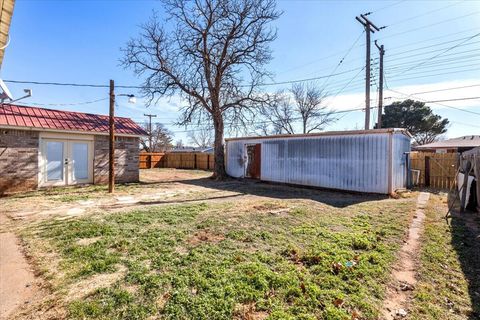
(249, 259)
(449, 274)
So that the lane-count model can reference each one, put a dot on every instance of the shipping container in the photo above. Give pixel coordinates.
(373, 161)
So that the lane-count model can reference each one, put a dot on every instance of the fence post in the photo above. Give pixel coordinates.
(208, 161)
(467, 169)
(195, 161)
(427, 171)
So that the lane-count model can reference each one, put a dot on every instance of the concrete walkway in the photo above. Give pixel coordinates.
(404, 271)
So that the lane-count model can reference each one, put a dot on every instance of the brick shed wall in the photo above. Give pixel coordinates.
(18, 160)
(126, 159)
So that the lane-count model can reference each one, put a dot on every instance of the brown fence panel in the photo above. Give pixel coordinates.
(178, 160)
(440, 168)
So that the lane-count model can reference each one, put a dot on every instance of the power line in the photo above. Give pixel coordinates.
(341, 60)
(423, 14)
(423, 100)
(441, 68)
(437, 74)
(429, 25)
(456, 99)
(445, 51)
(69, 104)
(430, 46)
(424, 53)
(387, 6)
(447, 89)
(448, 62)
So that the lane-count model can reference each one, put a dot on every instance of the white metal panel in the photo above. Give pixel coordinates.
(401, 146)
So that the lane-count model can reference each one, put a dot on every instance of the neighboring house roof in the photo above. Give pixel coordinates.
(6, 11)
(461, 142)
(41, 119)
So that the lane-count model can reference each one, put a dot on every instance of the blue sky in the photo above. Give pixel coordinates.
(80, 41)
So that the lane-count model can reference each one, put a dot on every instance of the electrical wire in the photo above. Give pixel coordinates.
(69, 104)
(447, 89)
(423, 100)
(429, 25)
(423, 14)
(445, 51)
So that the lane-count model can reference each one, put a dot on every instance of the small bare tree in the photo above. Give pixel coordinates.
(309, 104)
(302, 103)
(202, 137)
(161, 139)
(214, 57)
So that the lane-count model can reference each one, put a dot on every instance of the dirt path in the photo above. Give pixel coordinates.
(17, 281)
(404, 271)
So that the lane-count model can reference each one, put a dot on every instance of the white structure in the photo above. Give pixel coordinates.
(373, 161)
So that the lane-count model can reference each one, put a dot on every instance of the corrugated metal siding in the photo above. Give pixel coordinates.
(346, 162)
(401, 145)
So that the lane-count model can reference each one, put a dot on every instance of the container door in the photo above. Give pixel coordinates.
(253, 161)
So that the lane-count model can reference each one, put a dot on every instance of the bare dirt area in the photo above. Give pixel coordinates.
(93, 250)
(18, 285)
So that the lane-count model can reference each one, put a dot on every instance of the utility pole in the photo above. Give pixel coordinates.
(111, 154)
(150, 116)
(369, 27)
(380, 89)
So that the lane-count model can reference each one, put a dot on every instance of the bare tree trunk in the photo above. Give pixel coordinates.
(219, 167)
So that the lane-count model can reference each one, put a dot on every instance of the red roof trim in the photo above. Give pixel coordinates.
(50, 119)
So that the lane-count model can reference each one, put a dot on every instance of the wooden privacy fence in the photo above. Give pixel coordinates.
(178, 160)
(437, 170)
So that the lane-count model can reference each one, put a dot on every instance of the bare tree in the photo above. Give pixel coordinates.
(201, 138)
(214, 58)
(302, 103)
(309, 104)
(161, 139)
(279, 114)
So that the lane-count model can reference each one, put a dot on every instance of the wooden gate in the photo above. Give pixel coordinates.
(436, 170)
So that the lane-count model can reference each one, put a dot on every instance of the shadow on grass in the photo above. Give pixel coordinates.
(336, 198)
(465, 228)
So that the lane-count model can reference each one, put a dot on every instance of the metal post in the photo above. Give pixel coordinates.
(111, 154)
(380, 89)
(150, 116)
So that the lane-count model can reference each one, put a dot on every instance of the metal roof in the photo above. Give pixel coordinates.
(42, 119)
(460, 142)
(327, 133)
(6, 11)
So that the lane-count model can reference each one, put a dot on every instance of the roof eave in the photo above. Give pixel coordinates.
(72, 131)
(327, 133)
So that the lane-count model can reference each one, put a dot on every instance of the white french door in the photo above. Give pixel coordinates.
(66, 162)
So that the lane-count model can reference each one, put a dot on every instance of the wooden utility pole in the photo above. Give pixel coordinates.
(380, 89)
(150, 116)
(369, 27)
(111, 154)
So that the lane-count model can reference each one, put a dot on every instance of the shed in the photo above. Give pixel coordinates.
(373, 161)
(44, 147)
